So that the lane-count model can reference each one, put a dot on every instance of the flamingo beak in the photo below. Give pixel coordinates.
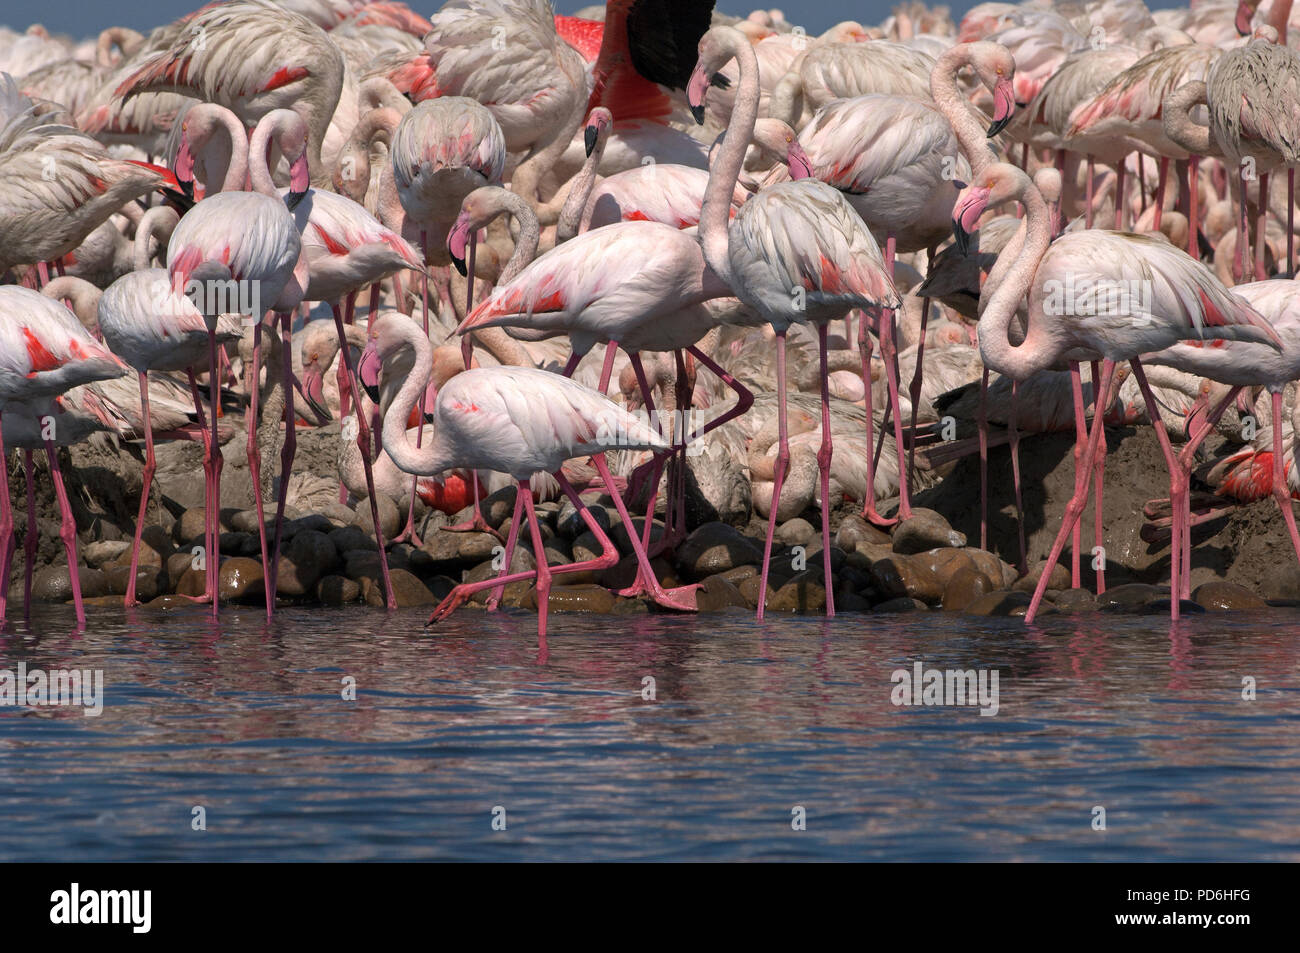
(800, 165)
(589, 137)
(1244, 15)
(368, 370)
(299, 181)
(695, 90)
(313, 392)
(966, 215)
(458, 242)
(1004, 106)
(184, 162)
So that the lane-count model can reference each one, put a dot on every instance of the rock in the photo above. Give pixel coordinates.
(240, 580)
(796, 532)
(337, 590)
(106, 602)
(351, 538)
(901, 604)
(169, 602)
(1005, 602)
(307, 557)
(925, 529)
(1058, 579)
(522, 561)
(1279, 580)
(189, 528)
(899, 575)
(846, 600)
(243, 544)
(619, 533)
(312, 521)
(177, 565)
(964, 587)
(569, 522)
(98, 553)
(476, 547)
(390, 519)
(714, 548)
(245, 521)
(360, 565)
(192, 582)
(338, 514)
(148, 582)
(1131, 597)
(805, 592)
(580, 599)
(623, 573)
(54, 584)
(1223, 596)
(718, 593)
(853, 529)
(407, 590)
(1163, 605)
(498, 507)
(748, 589)
(1073, 600)
(740, 574)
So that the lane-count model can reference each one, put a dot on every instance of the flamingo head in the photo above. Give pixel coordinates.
(778, 138)
(598, 124)
(368, 368)
(996, 69)
(1245, 13)
(313, 387)
(996, 184)
(717, 48)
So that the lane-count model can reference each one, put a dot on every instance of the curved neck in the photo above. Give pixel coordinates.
(528, 174)
(1178, 124)
(944, 91)
(407, 457)
(227, 159)
(83, 295)
(573, 214)
(158, 221)
(526, 241)
(715, 213)
(1038, 350)
(259, 167)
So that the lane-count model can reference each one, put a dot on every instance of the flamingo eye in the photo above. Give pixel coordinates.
(999, 70)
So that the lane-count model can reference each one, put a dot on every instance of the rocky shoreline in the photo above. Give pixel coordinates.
(329, 555)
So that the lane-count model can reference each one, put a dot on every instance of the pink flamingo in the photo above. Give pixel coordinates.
(250, 242)
(1176, 299)
(44, 351)
(520, 421)
(1243, 364)
(795, 252)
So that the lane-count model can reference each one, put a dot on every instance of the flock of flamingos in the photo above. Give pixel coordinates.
(1083, 200)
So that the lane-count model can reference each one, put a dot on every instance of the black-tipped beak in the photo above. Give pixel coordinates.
(460, 265)
(293, 198)
(372, 391)
(961, 237)
(997, 126)
(589, 136)
(698, 113)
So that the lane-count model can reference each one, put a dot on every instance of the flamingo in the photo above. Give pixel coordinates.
(1178, 299)
(247, 240)
(795, 252)
(520, 421)
(44, 351)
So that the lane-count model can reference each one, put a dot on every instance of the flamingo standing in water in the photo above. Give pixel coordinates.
(795, 252)
(1167, 297)
(520, 421)
(44, 351)
(247, 240)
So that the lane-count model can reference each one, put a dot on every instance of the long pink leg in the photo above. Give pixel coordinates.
(608, 557)
(782, 462)
(1099, 402)
(1080, 443)
(1261, 228)
(494, 600)
(914, 389)
(419, 433)
(543, 571)
(1243, 227)
(1178, 487)
(1160, 191)
(363, 442)
(344, 395)
(255, 466)
(33, 534)
(1013, 434)
(207, 437)
(889, 351)
(1120, 169)
(212, 557)
(67, 530)
(6, 533)
(1073, 509)
(1088, 186)
(869, 504)
(824, 467)
(150, 466)
(656, 468)
(1197, 433)
(290, 447)
(1281, 492)
(982, 425)
(1193, 206)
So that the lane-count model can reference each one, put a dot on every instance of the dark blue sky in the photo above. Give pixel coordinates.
(83, 18)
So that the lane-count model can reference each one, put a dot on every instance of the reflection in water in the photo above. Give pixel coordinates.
(1133, 713)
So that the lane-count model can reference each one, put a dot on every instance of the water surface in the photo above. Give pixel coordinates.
(748, 723)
